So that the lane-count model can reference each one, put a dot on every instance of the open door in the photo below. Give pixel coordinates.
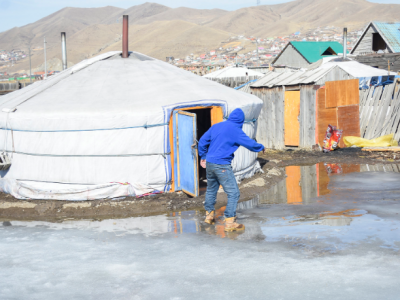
(186, 153)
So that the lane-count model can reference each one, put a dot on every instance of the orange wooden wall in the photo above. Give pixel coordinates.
(326, 116)
(348, 119)
(338, 105)
(341, 93)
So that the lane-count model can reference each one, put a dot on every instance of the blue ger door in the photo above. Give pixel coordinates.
(185, 153)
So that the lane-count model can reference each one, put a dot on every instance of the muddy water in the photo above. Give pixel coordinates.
(321, 194)
(328, 231)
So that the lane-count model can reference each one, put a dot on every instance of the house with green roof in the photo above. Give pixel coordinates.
(303, 54)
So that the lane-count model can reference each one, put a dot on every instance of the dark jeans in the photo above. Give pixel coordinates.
(221, 175)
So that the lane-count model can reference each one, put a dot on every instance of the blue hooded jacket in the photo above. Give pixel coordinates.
(219, 143)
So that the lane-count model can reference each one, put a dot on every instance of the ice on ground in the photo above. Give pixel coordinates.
(335, 246)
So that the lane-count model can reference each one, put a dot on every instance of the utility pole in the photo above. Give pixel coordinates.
(30, 65)
(45, 60)
(64, 50)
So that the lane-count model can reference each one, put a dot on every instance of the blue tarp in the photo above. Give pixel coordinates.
(244, 84)
(366, 82)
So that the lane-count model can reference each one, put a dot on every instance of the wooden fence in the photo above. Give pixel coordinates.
(6, 87)
(380, 111)
(233, 81)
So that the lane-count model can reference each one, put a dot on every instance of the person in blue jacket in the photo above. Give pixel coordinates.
(216, 149)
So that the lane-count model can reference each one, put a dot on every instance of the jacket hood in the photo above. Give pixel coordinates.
(237, 117)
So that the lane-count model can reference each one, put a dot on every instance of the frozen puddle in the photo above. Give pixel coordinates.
(326, 232)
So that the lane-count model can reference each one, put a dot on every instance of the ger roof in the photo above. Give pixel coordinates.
(390, 32)
(312, 51)
(108, 91)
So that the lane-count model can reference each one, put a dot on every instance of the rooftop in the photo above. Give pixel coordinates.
(314, 51)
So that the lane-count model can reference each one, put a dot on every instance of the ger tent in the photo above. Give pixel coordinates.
(111, 127)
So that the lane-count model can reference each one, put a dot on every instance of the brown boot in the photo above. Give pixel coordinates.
(231, 225)
(210, 217)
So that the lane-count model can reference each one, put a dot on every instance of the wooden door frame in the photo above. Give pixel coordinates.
(217, 116)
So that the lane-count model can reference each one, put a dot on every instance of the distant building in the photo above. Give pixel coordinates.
(303, 54)
(378, 36)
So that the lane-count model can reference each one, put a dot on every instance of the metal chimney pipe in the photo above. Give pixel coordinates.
(125, 24)
(345, 43)
(64, 50)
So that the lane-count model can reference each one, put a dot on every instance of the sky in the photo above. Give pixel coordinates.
(22, 12)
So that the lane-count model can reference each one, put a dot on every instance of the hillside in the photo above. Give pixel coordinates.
(160, 31)
(137, 13)
(158, 39)
(161, 38)
(286, 18)
(197, 16)
(69, 20)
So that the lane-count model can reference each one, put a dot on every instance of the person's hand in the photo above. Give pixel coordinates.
(203, 163)
(264, 150)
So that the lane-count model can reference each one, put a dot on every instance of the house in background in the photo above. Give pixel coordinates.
(378, 36)
(303, 54)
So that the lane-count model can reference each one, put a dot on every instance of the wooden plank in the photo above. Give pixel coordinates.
(301, 119)
(274, 126)
(381, 115)
(366, 109)
(371, 115)
(341, 93)
(307, 116)
(262, 127)
(291, 118)
(396, 113)
(352, 92)
(326, 116)
(381, 149)
(311, 91)
(348, 121)
(281, 114)
(392, 113)
(270, 114)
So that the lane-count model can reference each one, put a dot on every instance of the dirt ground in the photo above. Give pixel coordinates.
(272, 162)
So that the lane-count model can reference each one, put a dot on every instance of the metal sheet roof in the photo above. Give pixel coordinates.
(319, 75)
(390, 33)
(272, 79)
(312, 51)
